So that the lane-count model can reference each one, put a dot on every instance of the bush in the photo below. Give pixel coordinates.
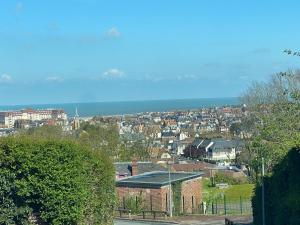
(223, 178)
(282, 193)
(134, 203)
(55, 182)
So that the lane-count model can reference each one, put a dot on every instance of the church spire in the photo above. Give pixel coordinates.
(76, 113)
(76, 121)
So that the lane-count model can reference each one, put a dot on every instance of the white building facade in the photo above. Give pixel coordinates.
(8, 118)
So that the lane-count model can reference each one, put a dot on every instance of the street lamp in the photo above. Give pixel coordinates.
(170, 191)
(263, 191)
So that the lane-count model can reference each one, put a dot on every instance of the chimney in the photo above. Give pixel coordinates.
(134, 167)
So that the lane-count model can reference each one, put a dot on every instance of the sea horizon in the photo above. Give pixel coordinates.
(107, 108)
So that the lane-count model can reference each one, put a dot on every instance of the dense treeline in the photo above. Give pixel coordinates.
(106, 138)
(282, 193)
(54, 182)
(98, 137)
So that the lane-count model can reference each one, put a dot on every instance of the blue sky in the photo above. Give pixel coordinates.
(91, 50)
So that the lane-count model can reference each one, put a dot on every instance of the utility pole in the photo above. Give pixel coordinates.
(170, 192)
(263, 191)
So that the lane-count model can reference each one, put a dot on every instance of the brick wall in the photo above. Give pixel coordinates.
(154, 199)
(158, 199)
(191, 195)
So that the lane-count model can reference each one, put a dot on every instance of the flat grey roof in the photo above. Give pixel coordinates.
(156, 179)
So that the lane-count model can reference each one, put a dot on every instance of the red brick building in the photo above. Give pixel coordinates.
(154, 188)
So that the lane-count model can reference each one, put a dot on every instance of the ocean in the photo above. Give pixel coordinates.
(130, 107)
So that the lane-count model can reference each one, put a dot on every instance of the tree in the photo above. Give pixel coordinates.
(275, 108)
(235, 129)
(101, 138)
(46, 131)
(282, 193)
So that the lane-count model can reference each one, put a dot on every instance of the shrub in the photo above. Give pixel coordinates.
(56, 182)
(134, 203)
(223, 178)
(282, 193)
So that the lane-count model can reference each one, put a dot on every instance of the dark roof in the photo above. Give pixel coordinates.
(197, 142)
(226, 145)
(143, 167)
(205, 143)
(156, 179)
(168, 134)
(222, 144)
(201, 143)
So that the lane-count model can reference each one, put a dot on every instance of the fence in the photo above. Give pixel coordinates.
(222, 206)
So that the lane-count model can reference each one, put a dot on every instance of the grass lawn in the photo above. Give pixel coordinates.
(232, 193)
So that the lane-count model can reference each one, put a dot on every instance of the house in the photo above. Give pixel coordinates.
(217, 149)
(198, 148)
(154, 189)
(177, 147)
(224, 150)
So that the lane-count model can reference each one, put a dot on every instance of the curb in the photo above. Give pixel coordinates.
(146, 220)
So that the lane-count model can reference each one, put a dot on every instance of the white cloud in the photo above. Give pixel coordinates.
(5, 78)
(113, 73)
(54, 79)
(113, 33)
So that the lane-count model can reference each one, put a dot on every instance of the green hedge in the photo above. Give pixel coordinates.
(54, 182)
(282, 193)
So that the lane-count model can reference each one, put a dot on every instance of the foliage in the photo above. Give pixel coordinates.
(10, 207)
(46, 131)
(100, 138)
(57, 181)
(275, 109)
(176, 190)
(137, 149)
(134, 203)
(223, 178)
(235, 128)
(275, 106)
(282, 193)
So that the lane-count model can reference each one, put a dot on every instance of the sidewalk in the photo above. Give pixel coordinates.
(187, 220)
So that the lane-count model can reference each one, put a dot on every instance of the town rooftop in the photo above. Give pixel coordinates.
(156, 179)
